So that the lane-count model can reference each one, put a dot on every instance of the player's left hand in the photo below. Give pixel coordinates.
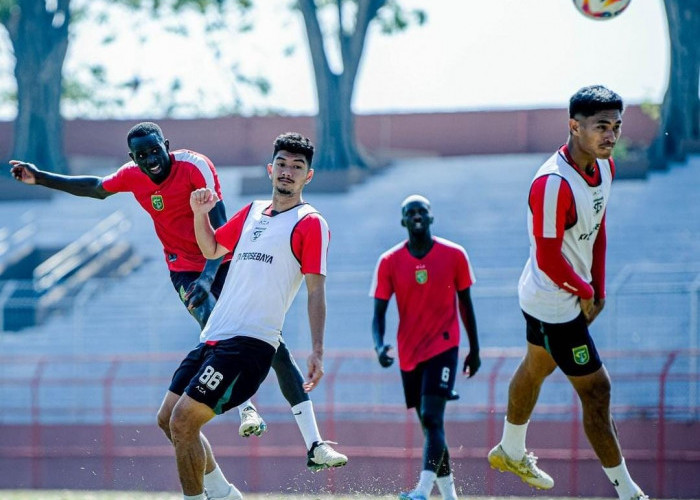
(598, 305)
(197, 292)
(314, 364)
(471, 364)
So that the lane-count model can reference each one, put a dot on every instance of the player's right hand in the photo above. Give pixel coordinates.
(314, 365)
(202, 200)
(383, 355)
(587, 308)
(23, 172)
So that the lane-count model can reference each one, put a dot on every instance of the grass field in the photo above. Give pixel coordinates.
(140, 495)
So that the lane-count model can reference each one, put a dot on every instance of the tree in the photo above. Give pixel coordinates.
(335, 123)
(39, 34)
(679, 123)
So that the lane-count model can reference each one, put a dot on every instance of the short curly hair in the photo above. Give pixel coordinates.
(588, 101)
(294, 143)
(142, 130)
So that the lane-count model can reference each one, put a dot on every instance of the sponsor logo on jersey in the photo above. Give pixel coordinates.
(589, 235)
(581, 355)
(157, 202)
(262, 257)
(421, 276)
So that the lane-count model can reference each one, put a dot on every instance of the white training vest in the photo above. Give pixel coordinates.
(263, 279)
(539, 296)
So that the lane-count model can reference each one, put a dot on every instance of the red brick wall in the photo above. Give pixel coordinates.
(247, 141)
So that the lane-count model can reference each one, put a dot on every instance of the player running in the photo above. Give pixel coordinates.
(429, 276)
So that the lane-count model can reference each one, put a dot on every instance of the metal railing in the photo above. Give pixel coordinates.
(97, 391)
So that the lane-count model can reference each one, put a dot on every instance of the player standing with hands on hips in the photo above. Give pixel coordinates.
(429, 276)
(562, 290)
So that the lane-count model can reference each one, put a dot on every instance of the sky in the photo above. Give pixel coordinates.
(469, 55)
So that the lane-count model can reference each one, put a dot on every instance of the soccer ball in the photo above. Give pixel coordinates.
(601, 9)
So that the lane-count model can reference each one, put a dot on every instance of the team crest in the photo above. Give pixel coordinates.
(421, 276)
(581, 355)
(157, 202)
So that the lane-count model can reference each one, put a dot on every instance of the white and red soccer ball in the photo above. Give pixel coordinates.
(601, 9)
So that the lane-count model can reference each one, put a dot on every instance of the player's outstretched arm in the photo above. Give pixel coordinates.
(316, 308)
(378, 328)
(78, 185)
(466, 310)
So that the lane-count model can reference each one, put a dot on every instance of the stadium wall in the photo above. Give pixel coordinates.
(238, 140)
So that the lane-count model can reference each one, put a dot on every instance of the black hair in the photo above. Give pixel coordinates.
(142, 130)
(294, 143)
(588, 101)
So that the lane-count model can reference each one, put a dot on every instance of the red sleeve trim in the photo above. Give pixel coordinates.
(612, 167)
(309, 241)
(229, 234)
(117, 182)
(552, 205)
(552, 262)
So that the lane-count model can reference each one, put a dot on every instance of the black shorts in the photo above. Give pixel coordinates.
(183, 279)
(569, 343)
(435, 376)
(224, 375)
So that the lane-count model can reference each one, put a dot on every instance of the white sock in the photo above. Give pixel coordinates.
(201, 496)
(245, 405)
(621, 480)
(513, 440)
(426, 482)
(446, 485)
(306, 420)
(216, 483)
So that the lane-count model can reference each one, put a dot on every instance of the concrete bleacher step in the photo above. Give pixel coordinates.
(479, 202)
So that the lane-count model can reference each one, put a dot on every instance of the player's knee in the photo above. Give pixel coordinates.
(432, 421)
(163, 420)
(182, 425)
(596, 394)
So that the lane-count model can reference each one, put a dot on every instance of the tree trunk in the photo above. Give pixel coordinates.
(40, 41)
(336, 139)
(679, 123)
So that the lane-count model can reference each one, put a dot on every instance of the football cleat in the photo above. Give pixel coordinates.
(323, 456)
(251, 423)
(525, 468)
(412, 495)
(233, 494)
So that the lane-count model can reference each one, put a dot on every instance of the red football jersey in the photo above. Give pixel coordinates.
(426, 297)
(168, 203)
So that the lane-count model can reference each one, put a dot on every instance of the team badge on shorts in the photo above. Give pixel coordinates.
(157, 202)
(421, 276)
(581, 355)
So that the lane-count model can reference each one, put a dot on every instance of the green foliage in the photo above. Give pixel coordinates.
(393, 18)
(651, 109)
